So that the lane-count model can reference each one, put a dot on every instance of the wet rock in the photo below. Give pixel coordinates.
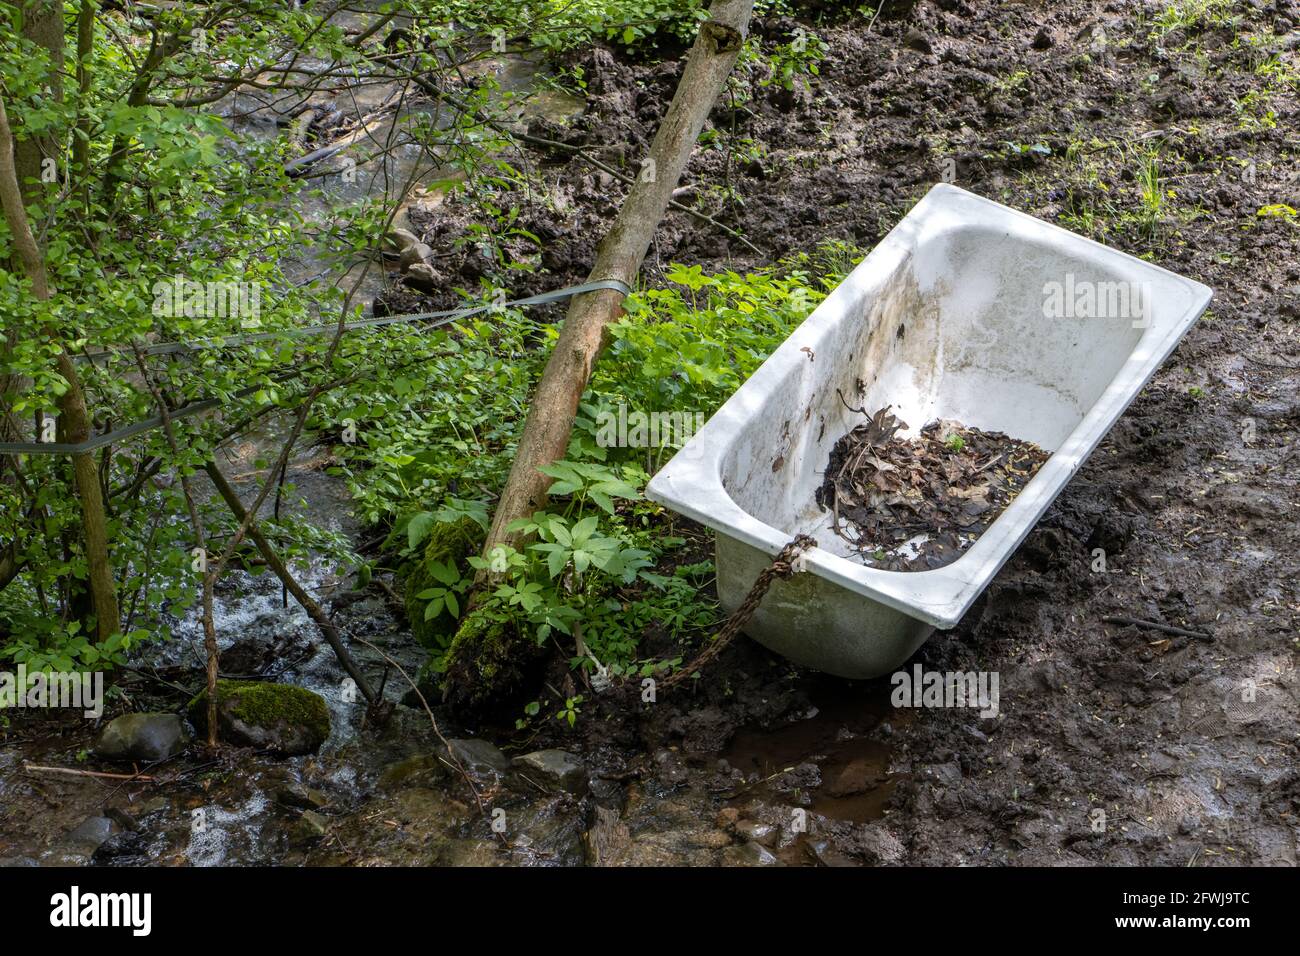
(877, 845)
(143, 737)
(479, 757)
(301, 796)
(554, 769)
(609, 794)
(669, 768)
(827, 855)
(414, 254)
(422, 770)
(804, 777)
(858, 777)
(748, 854)
(92, 832)
(547, 831)
(762, 834)
(279, 717)
(79, 845)
(308, 828)
(424, 278)
(399, 239)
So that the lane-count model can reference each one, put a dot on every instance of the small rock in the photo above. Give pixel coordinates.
(916, 40)
(399, 239)
(827, 855)
(479, 756)
(145, 737)
(805, 776)
(764, 834)
(413, 254)
(301, 796)
(77, 848)
(422, 770)
(557, 769)
(308, 828)
(90, 835)
(858, 777)
(424, 278)
(670, 769)
(879, 846)
(748, 854)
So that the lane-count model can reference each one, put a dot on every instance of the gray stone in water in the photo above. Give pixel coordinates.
(554, 769)
(764, 834)
(301, 796)
(422, 770)
(308, 828)
(479, 756)
(147, 737)
(77, 848)
(749, 854)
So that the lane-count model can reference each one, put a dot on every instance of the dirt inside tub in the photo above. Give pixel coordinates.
(915, 504)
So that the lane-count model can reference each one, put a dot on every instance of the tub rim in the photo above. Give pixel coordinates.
(691, 482)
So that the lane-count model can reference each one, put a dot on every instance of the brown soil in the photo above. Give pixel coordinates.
(1186, 512)
(1114, 745)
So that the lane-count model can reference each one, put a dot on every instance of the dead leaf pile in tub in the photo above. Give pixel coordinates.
(949, 483)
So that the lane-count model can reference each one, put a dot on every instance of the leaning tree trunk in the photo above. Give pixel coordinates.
(477, 664)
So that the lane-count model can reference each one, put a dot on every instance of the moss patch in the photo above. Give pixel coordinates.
(490, 666)
(279, 716)
(453, 541)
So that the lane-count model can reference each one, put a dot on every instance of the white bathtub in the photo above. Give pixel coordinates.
(967, 310)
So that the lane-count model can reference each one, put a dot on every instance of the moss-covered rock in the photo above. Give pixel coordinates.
(453, 541)
(490, 666)
(280, 717)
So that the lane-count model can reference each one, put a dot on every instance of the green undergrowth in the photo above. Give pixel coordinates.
(604, 569)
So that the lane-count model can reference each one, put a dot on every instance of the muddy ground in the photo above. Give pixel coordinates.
(1192, 497)
(1114, 744)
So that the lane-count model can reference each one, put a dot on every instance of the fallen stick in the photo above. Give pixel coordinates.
(35, 768)
(1157, 626)
(305, 600)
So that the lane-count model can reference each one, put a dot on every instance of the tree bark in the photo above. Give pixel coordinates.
(74, 420)
(42, 24)
(620, 254)
(485, 672)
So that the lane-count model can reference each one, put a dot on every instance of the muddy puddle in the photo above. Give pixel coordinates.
(834, 759)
